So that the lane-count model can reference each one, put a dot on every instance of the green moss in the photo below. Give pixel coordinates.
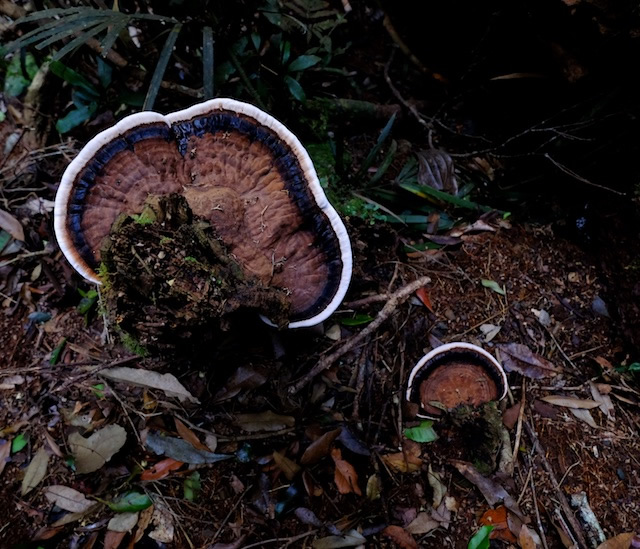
(133, 344)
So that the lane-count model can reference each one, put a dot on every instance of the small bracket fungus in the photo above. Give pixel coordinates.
(238, 168)
(454, 374)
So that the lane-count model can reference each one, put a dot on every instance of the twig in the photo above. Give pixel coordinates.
(516, 443)
(288, 541)
(543, 538)
(577, 177)
(554, 482)
(365, 301)
(396, 299)
(226, 519)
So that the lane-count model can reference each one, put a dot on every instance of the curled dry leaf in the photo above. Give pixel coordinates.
(92, 453)
(400, 537)
(439, 489)
(320, 447)
(374, 487)
(404, 462)
(167, 383)
(516, 357)
(164, 526)
(422, 524)
(345, 476)
(529, 539)
(36, 471)
(68, 499)
(264, 421)
(498, 519)
(189, 436)
(5, 452)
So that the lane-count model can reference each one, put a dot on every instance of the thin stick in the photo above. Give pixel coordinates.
(554, 482)
(543, 538)
(395, 300)
(516, 443)
(288, 541)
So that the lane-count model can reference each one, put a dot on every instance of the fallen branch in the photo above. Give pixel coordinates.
(395, 300)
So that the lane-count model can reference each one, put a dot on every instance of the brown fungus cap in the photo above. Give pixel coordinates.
(455, 374)
(240, 169)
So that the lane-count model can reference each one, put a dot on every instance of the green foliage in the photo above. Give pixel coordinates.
(87, 304)
(422, 433)
(19, 442)
(480, 540)
(55, 354)
(20, 73)
(356, 320)
(192, 486)
(129, 502)
(133, 344)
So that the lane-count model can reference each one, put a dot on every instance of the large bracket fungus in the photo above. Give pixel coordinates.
(240, 169)
(455, 374)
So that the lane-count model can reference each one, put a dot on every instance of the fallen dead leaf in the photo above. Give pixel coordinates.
(92, 453)
(439, 489)
(422, 524)
(606, 405)
(68, 499)
(423, 296)
(36, 471)
(10, 224)
(164, 527)
(491, 490)
(112, 540)
(585, 416)
(181, 450)
(529, 539)
(516, 357)
(352, 538)
(510, 415)
(400, 537)
(621, 541)
(167, 383)
(123, 522)
(571, 402)
(161, 469)
(244, 378)
(498, 519)
(320, 447)
(264, 421)
(289, 467)
(345, 476)
(404, 462)
(189, 435)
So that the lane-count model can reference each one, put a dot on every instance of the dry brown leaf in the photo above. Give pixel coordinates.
(143, 522)
(188, 435)
(289, 467)
(345, 476)
(10, 224)
(491, 490)
(68, 499)
(571, 402)
(36, 471)
(92, 453)
(264, 421)
(498, 519)
(528, 539)
(510, 415)
(161, 469)
(112, 540)
(400, 537)
(516, 357)
(404, 462)
(123, 522)
(53, 445)
(164, 527)
(319, 448)
(621, 541)
(585, 416)
(352, 538)
(167, 383)
(439, 489)
(422, 524)
(603, 399)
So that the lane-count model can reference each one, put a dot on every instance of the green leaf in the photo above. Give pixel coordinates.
(76, 117)
(295, 89)
(161, 67)
(55, 354)
(481, 539)
(130, 502)
(376, 148)
(356, 320)
(15, 81)
(493, 285)
(88, 300)
(5, 237)
(98, 390)
(424, 191)
(74, 78)
(104, 73)
(19, 443)
(422, 433)
(303, 62)
(192, 486)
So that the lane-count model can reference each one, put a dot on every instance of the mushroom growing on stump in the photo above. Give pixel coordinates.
(455, 374)
(239, 169)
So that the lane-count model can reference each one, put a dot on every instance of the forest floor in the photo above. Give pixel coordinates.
(223, 455)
